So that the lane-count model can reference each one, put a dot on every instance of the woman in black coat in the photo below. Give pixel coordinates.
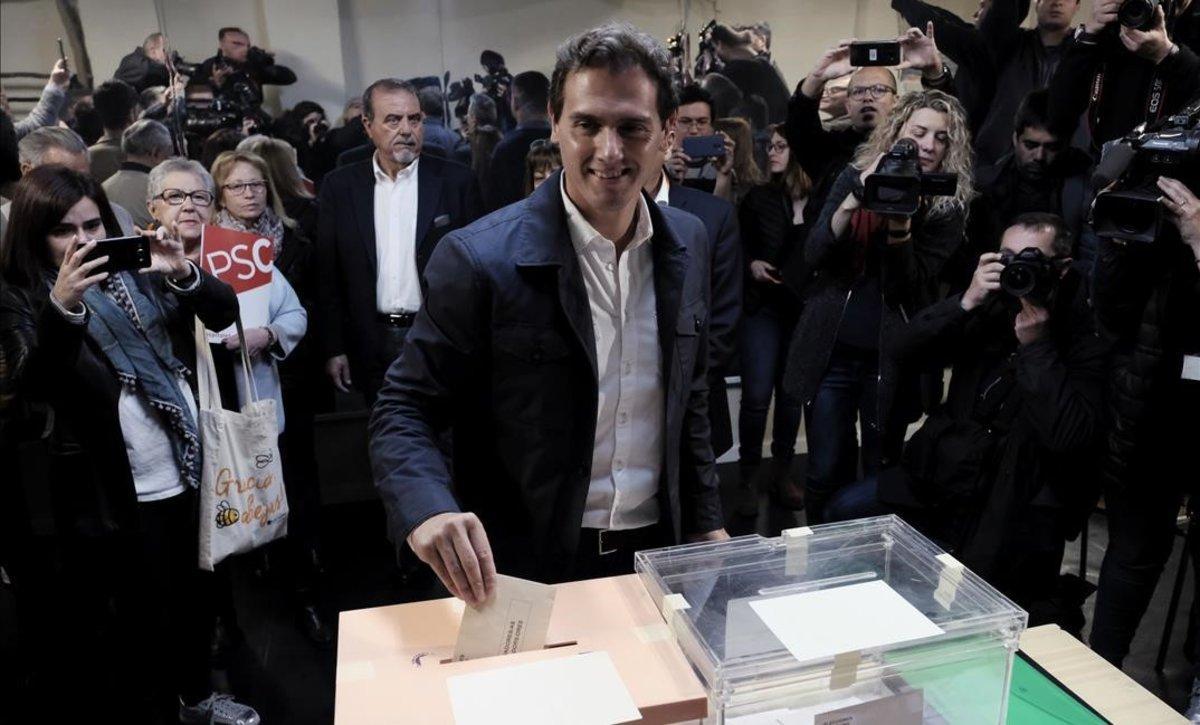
(775, 219)
(103, 351)
(872, 271)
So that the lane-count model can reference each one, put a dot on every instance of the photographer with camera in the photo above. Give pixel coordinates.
(1147, 300)
(146, 67)
(874, 270)
(997, 473)
(237, 62)
(1133, 62)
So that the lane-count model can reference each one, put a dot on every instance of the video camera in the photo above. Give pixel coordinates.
(897, 185)
(226, 110)
(1129, 208)
(497, 79)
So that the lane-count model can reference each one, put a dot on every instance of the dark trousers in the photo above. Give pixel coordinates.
(141, 617)
(765, 337)
(1141, 533)
(297, 453)
(848, 393)
(390, 341)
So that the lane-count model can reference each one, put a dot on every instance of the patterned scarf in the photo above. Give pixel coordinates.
(132, 333)
(269, 225)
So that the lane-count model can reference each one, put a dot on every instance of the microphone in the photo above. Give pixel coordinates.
(1116, 159)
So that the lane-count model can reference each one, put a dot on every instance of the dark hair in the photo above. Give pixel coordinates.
(543, 153)
(432, 101)
(385, 84)
(722, 33)
(303, 108)
(10, 161)
(531, 91)
(615, 47)
(220, 141)
(230, 29)
(724, 94)
(1034, 112)
(114, 101)
(87, 123)
(693, 93)
(40, 200)
(1062, 244)
(793, 179)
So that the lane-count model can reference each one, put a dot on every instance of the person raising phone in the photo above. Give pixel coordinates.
(105, 351)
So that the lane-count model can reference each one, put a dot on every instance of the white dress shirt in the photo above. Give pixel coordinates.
(663, 197)
(397, 287)
(630, 415)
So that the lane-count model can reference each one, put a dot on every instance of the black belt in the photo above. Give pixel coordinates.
(397, 319)
(610, 541)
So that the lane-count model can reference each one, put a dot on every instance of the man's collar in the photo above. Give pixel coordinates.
(381, 175)
(663, 195)
(584, 234)
(128, 165)
(539, 123)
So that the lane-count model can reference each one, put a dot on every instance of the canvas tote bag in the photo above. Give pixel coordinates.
(242, 500)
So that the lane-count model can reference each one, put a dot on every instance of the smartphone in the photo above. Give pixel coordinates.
(704, 147)
(123, 253)
(62, 53)
(874, 52)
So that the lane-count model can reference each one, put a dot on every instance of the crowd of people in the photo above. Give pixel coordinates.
(543, 301)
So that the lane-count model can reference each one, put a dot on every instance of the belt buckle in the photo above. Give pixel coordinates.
(600, 542)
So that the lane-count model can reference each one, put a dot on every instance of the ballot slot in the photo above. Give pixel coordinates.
(555, 645)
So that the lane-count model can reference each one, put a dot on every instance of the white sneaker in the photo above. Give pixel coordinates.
(218, 709)
(1193, 711)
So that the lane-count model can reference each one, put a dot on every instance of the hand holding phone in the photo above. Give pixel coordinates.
(124, 253)
(704, 147)
(874, 52)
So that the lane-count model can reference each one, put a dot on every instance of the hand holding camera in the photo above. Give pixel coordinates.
(1032, 322)
(921, 52)
(984, 282)
(1184, 209)
(1152, 42)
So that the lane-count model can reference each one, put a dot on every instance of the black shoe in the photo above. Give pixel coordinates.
(786, 492)
(313, 626)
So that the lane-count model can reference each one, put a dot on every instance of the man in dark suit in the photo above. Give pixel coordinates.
(380, 220)
(529, 93)
(725, 248)
(564, 345)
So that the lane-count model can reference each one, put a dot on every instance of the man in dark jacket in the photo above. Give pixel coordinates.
(1147, 299)
(1123, 77)
(146, 66)
(237, 61)
(530, 91)
(564, 346)
(998, 472)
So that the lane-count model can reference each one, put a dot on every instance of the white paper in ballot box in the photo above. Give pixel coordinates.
(246, 262)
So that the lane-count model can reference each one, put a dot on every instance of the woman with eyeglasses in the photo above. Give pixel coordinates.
(247, 200)
(873, 271)
(543, 159)
(775, 219)
(110, 353)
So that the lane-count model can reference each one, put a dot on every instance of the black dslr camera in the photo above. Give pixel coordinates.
(1137, 14)
(1029, 274)
(1130, 208)
(897, 185)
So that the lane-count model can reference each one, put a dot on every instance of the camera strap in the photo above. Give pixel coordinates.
(1154, 100)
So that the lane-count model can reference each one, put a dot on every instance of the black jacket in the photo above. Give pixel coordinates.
(1147, 300)
(141, 71)
(725, 310)
(506, 175)
(53, 361)
(821, 151)
(447, 198)
(1124, 82)
(909, 275)
(768, 234)
(503, 356)
(259, 67)
(759, 77)
(1019, 428)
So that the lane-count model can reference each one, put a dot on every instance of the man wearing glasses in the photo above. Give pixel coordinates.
(380, 220)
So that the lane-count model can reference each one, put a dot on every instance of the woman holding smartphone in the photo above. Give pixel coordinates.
(104, 351)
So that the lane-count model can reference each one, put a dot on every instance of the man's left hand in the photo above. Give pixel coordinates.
(1032, 322)
(1153, 44)
(718, 535)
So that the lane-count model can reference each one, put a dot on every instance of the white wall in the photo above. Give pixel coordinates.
(339, 46)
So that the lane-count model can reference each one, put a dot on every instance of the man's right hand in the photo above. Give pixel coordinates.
(764, 272)
(456, 547)
(835, 63)
(985, 281)
(60, 75)
(338, 370)
(677, 165)
(1103, 13)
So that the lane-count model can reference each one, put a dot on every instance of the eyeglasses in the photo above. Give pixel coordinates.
(176, 197)
(242, 186)
(875, 91)
(777, 147)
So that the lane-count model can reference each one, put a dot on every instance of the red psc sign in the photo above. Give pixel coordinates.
(242, 260)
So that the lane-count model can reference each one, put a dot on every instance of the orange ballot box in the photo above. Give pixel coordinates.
(394, 663)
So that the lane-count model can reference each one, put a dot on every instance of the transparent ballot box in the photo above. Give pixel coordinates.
(858, 622)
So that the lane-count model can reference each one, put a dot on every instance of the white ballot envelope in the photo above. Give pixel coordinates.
(515, 619)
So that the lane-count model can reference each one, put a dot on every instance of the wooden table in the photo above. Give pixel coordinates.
(1111, 692)
(393, 662)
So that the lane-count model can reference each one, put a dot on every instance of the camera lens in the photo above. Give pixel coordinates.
(1137, 14)
(1018, 279)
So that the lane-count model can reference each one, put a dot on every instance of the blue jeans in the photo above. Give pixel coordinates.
(765, 336)
(848, 392)
(855, 500)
